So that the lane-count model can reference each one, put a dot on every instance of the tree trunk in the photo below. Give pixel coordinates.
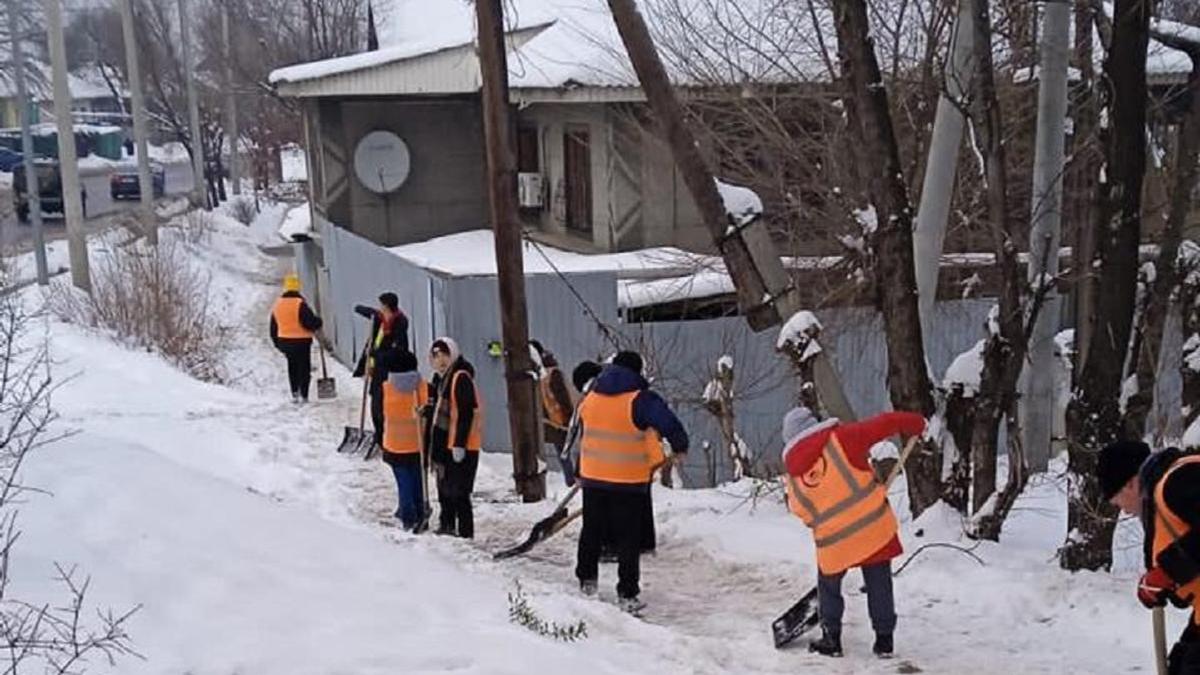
(1094, 417)
(866, 101)
(1004, 348)
(1083, 170)
(1159, 292)
(960, 421)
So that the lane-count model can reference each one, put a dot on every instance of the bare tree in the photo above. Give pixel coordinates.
(57, 637)
(888, 226)
(1094, 416)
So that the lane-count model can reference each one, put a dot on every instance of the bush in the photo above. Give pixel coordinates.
(243, 210)
(522, 614)
(151, 297)
(197, 226)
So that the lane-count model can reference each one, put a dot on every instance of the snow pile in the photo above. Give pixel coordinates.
(966, 371)
(169, 153)
(297, 221)
(741, 203)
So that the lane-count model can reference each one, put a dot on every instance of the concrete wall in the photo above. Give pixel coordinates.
(445, 192)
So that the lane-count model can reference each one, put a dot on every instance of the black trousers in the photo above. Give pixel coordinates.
(613, 517)
(376, 392)
(1185, 655)
(299, 365)
(455, 484)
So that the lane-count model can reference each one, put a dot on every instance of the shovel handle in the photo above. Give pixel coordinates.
(321, 349)
(908, 448)
(1158, 616)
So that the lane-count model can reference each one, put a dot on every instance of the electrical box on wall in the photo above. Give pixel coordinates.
(530, 190)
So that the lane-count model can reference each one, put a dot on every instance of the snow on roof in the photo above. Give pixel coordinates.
(473, 254)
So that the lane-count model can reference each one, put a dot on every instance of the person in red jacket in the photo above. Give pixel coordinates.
(832, 487)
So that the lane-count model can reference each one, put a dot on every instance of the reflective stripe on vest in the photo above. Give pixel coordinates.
(555, 414)
(846, 508)
(1168, 528)
(612, 448)
(475, 435)
(401, 427)
(287, 319)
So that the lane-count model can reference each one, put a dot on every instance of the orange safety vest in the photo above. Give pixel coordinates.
(846, 508)
(1168, 528)
(556, 415)
(287, 319)
(401, 424)
(475, 436)
(613, 449)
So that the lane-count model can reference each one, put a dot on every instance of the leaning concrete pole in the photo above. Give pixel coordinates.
(933, 212)
(1045, 232)
(32, 187)
(199, 195)
(145, 184)
(67, 160)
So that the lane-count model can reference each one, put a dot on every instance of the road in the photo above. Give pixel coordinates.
(17, 238)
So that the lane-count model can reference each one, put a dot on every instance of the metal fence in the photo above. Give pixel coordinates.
(566, 315)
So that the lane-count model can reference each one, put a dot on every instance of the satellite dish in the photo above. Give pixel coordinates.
(381, 162)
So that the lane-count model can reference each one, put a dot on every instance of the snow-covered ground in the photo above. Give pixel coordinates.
(254, 548)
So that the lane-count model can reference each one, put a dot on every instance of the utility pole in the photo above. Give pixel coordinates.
(199, 194)
(31, 178)
(765, 292)
(231, 104)
(68, 163)
(522, 387)
(937, 190)
(145, 184)
(1048, 162)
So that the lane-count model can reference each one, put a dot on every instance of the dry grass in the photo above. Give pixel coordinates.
(152, 298)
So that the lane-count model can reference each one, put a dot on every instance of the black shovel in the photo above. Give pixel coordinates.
(326, 385)
(544, 528)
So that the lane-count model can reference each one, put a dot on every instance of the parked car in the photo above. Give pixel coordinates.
(10, 160)
(124, 182)
(50, 190)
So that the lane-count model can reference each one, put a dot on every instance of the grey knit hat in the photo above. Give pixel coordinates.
(796, 421)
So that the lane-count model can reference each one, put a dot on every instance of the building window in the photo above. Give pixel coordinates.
(577, 172)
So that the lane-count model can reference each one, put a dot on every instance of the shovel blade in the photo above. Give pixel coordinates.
(351, 439)
(326, 388)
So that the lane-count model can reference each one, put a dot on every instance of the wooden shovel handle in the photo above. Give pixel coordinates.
(908, 448)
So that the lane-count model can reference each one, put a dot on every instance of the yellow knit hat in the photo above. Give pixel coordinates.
(291, 283)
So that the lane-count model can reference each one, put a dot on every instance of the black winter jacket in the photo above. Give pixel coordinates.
(1181, 561)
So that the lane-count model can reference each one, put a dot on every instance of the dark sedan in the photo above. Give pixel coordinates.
(124, 182)
(10, 160)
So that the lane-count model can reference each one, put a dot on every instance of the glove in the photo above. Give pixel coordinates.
(1154, 587)
(883, 468)
(459, 454)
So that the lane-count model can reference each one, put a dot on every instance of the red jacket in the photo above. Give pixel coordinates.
(857, 440)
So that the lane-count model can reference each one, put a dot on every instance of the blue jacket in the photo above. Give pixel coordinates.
(649, 410)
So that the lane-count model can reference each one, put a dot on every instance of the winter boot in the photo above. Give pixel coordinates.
(296, 398)
(883, 645)
(830, 644)
(587, 587)
(632, 605)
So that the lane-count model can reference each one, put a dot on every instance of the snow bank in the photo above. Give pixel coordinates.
(741, 203)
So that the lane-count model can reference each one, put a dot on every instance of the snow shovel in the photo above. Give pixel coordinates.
(802, 616)
(544, 527)
(1158, 616)
(423, 524)
(353, 436)
(326, 385)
